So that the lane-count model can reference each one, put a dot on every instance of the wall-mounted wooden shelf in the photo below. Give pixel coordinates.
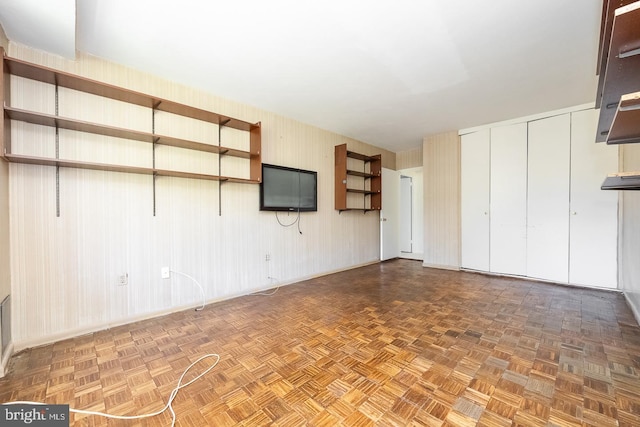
(31, 71)
(618, 93)
(625, 128)
(622, 65)
(19, 68)
(88, 127)
(369, 181)
(608, 13)
(622, 181)
(45, 161)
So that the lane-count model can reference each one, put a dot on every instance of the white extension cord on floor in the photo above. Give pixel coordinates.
(204, 301)
(168, 406)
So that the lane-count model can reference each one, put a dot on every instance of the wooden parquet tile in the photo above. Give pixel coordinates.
(391, 344)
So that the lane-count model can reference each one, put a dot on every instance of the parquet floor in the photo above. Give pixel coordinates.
(390, 344)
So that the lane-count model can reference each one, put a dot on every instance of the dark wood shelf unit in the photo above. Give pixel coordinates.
(622, 65)
(16, 67)
(364, 210)
(360, 174)
(622, 181)
(608, 12)
(618, 93)
(625, 128)
(371, 173)
(354, 190)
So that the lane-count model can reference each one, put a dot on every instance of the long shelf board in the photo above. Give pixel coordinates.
(362, 157)
(363, 210)
(44, 161)
(623, 65)
(82, 126)
(360, 174)
(60, 78)
(354, 190)
(625, 128)
(622, 181)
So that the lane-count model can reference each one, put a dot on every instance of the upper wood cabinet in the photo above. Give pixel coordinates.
(358, 180)
(59, 79)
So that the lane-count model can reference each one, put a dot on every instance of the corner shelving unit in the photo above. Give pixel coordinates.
(619, 87)
(16, 67)
(369, 180)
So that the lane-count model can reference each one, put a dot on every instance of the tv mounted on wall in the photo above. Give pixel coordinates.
(288, 189)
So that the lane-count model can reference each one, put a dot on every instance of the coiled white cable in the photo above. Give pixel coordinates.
(168, 406)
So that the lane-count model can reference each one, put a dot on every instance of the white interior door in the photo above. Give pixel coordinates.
(594, 213)
(475, 186)
(548, 198)
(406, 214)
(508, 216)
(389, 240)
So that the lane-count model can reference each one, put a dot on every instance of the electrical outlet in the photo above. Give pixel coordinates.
(165, 272)
(123, 279)
(267, 257)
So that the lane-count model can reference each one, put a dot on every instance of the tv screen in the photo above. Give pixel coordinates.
(288, 189)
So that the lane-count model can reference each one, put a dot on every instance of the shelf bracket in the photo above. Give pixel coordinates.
(57, 155)
(153, 153)
(220, 154)
(629, 53)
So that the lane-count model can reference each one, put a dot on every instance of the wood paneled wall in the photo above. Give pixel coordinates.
(5, 272)
(629, 232)
(441, 168)
(5, 254)
(409, 159)
(66, 269)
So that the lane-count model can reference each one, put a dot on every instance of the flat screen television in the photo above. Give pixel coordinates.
(288, 189)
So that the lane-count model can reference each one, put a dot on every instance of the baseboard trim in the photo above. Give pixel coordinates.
(634, 309)
(535, 279)
(76, 332)
(441, 266)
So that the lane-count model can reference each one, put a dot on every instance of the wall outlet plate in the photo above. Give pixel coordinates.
(165, 272)
(123, 279)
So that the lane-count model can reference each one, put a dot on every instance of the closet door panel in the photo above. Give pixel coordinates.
(508, 215)
(594, 213)
(548, 199)
(475, 200)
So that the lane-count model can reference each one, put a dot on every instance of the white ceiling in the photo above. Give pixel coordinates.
(384, 72)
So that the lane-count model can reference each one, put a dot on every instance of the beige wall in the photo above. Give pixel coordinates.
(5, 271)
(629, 234)
(441, 168)
(66, 269)
(409, 159)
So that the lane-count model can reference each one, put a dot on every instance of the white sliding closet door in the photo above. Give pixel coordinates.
(594, 213)
(508, 215)
(548, 198)
(475, 200)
